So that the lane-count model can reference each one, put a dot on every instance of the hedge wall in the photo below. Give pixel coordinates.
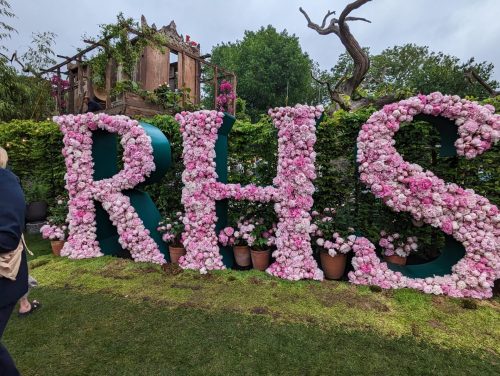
(34, 150)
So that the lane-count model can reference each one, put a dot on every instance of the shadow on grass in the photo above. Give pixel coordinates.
(97, 334)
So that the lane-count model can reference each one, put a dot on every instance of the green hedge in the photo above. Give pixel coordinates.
(34, 150)
(35, 154)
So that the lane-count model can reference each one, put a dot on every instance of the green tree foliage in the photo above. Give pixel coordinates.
(5, 28)
(411, 69)
(22, 94)
(268, 64)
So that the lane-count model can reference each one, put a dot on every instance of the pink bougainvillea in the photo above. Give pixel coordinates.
(226, 96)
(470, 218)
(83, 190)
(291, 193)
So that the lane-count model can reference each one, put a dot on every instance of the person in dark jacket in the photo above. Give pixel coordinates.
(12, 212)
(92, 104)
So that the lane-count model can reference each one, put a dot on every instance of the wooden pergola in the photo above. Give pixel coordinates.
(153, 69)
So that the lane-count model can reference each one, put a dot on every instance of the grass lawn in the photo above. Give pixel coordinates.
(110, 316)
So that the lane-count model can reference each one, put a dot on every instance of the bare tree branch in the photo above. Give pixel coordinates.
(24, 68)
(328, 14)
(472, 75)
(360, 58)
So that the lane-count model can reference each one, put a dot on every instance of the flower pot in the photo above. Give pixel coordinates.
(56, 246)
(260, 259)
(242, 255)
(36, 211)
(395, 259)
(333, 267)
(176, 253)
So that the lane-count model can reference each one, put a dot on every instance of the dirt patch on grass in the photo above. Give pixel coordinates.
(256, 281)
(146, 270)
(114, 274)
(259, 311)
(350, 298)
(445, 305)
(185, 286)
(171, 269)
(436, 324)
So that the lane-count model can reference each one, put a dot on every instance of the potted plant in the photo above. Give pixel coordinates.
(56, 230)
(394, 249)
(230, 237)
(333, 239)
(261, 239)
(172, 228)
(36, 196)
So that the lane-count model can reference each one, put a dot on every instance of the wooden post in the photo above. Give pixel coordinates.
(90, 87)
(216, 87)
(59, 97)
(183, 66)
(71, 92)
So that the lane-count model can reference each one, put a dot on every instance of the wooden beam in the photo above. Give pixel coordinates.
(71, 94)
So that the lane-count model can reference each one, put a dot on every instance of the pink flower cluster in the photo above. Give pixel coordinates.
(53, 232)
(296, 172)
(199, 132)
(83, 190)
(324, 234)
(470, 218)
(292, 191)
(244, 234)
(228, 238)
(337, 245)
(172, 228)
(226, 96)
(402, 248)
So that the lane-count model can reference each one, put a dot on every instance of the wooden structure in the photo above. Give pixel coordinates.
(179, 64)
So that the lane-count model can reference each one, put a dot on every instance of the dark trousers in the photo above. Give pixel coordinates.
(7, 366)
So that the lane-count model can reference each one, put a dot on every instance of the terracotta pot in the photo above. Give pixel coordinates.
(242, 255)
(395, 259)
(261, 259)
(56, 246)
(176, 253)
(333, 267)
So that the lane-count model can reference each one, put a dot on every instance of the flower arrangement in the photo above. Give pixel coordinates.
(83, 190)
(172, 228)
(57, 227)
(226, 96)
(393, 244)
(252, 233)
(405, 187)
(330, 234)
(54, 232)
(291, 193)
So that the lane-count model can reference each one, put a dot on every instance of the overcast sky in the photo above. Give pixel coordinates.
(463, 28)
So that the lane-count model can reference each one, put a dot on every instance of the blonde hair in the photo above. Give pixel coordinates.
(4, 157)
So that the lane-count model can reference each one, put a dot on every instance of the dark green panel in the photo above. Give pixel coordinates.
(221, 206)
(104, 153)
(107, 235)
(448, 132)
(150, 216)
(161, 153)
(452, 252)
